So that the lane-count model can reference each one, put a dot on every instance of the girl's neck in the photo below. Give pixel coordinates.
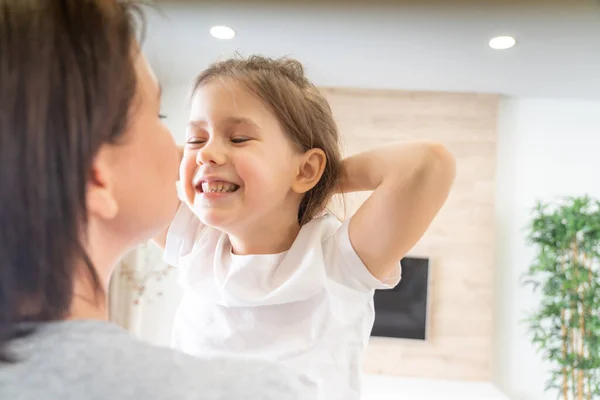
(270, 237)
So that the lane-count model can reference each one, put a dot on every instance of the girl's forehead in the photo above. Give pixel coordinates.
(227, 95)
(219, 104)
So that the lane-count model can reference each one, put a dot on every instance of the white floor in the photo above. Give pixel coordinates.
(378, 387)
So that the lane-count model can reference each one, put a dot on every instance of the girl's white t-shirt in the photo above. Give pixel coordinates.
(310, 308)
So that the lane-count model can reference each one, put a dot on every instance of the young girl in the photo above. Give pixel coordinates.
(265, 273)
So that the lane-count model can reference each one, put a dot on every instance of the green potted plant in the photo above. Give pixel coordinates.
(565, 327)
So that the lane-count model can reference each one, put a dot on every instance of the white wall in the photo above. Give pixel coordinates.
(175, 105)
(546, 148)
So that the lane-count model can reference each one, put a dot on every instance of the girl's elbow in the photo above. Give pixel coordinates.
(440, 159)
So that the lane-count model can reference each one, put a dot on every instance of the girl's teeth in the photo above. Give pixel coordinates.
(218, 187)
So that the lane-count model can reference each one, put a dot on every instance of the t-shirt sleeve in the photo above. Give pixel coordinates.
(347, 268)
(183, 232)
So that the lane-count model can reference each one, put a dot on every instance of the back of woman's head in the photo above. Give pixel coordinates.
(67, 80)
(302, 111)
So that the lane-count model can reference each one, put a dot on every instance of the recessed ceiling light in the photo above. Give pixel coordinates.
(502, 42)
(222, 32)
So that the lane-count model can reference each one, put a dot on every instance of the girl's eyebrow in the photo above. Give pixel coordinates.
(201, 124)
(242, 121)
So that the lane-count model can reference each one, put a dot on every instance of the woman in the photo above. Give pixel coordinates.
(87, 171)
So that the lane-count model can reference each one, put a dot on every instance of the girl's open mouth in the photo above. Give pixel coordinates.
(216, 187)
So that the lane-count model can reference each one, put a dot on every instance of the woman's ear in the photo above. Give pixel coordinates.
(310, 169)
(100, 199)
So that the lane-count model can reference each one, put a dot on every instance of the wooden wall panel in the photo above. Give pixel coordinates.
(460, 242)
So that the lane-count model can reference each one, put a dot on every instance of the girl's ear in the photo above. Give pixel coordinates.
(310, 169)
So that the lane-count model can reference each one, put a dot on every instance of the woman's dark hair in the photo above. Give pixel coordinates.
(67, 83)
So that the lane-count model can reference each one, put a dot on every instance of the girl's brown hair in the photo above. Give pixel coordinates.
(67, 83)
(300, 108)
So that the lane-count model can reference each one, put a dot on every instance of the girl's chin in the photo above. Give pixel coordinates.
(214, 218)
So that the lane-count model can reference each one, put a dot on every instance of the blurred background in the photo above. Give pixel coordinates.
(523, 122)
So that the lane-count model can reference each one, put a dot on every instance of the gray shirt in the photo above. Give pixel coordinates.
(98, 360)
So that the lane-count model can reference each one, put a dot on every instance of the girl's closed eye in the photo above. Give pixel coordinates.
(240, 139)
(195, 141)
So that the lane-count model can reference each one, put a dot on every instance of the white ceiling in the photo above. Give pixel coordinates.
(394, 45)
